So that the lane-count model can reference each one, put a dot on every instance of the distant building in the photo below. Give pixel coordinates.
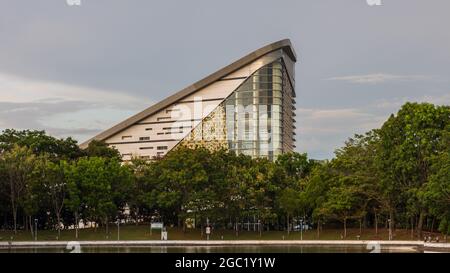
(246, 107)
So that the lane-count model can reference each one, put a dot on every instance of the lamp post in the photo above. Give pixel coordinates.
(118, 229)
(208, 229)
(35, 228)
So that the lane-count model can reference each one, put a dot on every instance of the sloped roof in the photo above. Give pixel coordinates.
(282, 44)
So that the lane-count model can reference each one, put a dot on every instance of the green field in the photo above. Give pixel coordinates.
(142, 232)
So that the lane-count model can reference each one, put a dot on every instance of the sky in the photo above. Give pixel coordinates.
(75, 70)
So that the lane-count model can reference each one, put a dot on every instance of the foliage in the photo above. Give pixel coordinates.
(399, 172)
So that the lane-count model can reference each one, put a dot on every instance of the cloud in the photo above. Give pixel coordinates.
(330, 114)
(335, 121)
(61, 109)
(29, 115)
(380, 78)
(321, 131)
(19, 89)
(396, 102)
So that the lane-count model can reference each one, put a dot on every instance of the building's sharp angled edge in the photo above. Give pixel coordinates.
(282, 44)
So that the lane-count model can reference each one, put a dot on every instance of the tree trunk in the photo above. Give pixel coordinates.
(107, 225)
(14, 207)
(137, 216)
(345, 228)
(318, 229)
(288, 226)
(432, 225)
(31, 226)
(360, 227)
(201, 227)
(76, 225)
(392, 217)
(179, 220)
(376, 223)
(260, 224)
(420, 224)
(58, 219)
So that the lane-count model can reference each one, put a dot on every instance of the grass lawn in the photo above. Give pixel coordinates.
(142, 232)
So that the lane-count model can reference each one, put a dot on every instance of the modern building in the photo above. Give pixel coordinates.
(247, 107)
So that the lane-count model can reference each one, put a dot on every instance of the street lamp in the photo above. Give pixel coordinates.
(35, 228)
(208, 229)
(118, 229)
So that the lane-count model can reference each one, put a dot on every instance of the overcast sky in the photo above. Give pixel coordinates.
(77, 70)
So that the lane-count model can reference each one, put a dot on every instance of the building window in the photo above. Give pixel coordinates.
(161, 133)
(162, 148)
(144, 138)
(145, 148)
(172, 110)
(126, 137)
(148, 129)
(163, 118)
(176, 128)
(145, 157)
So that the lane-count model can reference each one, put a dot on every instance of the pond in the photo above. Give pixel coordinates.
(215, 249)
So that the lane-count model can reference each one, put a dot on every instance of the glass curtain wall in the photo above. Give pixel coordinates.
(256, 120)
(254, 113)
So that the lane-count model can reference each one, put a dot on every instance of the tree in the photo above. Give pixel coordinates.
(342, 203)
(19, 163)
(408, 142)
(436, 194)
(237, 182)
(4, 191)
(315, 193)
(101, 149)
(52, 181)
(357, 162)
(262, 190)
(182, 174)
(39, 142)
(295, 165)
(144, 187)
(96, 186)
(289, 201)
(75, 196)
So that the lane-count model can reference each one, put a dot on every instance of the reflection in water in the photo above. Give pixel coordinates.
(214, 249)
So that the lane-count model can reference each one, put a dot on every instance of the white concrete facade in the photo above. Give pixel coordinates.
(153, 132)
(157, 134)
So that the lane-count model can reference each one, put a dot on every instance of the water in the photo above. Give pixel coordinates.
(215, 249)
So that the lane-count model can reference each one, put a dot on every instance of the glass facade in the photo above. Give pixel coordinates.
(255, 120)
